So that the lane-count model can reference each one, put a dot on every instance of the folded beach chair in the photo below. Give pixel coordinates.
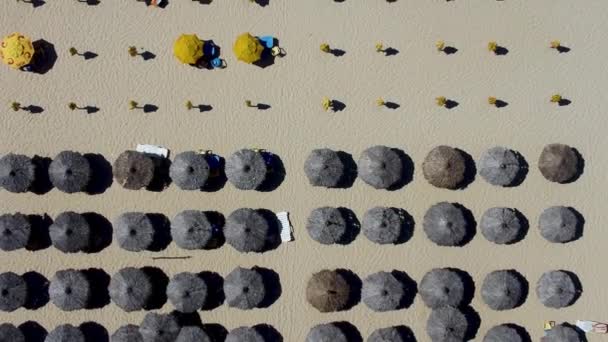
(153, 149)
(286, 228)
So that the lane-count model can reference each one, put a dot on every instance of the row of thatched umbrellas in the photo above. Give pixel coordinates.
(257, 230)
(381, 167)
(245, 229)
(134, 289)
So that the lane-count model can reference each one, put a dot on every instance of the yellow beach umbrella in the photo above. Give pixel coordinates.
(188, 49)
(16, 50)
(247, 48)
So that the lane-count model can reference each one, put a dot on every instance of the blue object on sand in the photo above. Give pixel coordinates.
(267, 41)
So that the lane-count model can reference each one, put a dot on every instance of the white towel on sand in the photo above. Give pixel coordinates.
(153, 149)
(286, 228)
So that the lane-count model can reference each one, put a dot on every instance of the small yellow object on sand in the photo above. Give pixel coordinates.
(492, 46)
(325, 47)
(440, 45)
(555, 44)
(248, 103)
(326, 103)
(132, 105)
(441, 101)
(380, 102)
(492, 100)
(556, 98)
(379, 47)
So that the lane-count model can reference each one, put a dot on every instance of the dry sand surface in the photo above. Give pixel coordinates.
(295, 124)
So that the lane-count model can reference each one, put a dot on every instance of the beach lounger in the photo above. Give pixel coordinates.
(592, 326)
(153, 149)
(286, 228)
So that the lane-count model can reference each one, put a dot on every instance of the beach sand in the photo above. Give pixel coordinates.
(295, 124)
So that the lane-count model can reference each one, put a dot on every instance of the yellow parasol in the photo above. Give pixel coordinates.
(188, 49)
(247, 48)
(16, 50)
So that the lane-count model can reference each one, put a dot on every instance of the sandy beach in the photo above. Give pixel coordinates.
(295, 124)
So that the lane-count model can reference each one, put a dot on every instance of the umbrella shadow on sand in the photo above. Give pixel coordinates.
(216, 332)
(101, 232)
(469, 286)
(159, 282)
(161, 178)
(44, 58)
(470, 170)
(162, 232)
(410, 286)
(273, 240)
(215, 288)
(355, 284)
(94, 332)
(277, 173)
(350, 170)
(39, 238)
(474, 321)
(99, 281)
(471, 229)
(37, 290)
(42, 183)
(101, 174)
(407, 228)
(272, 284)
(218, 181)
(351, 332)
(353, 226)
(33, 332)
(268, 332)
(407, 174)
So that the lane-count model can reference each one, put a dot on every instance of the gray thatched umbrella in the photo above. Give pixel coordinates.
(70, 290)
(503, 333)
(323, 167)
(159, 327)
(192, 334)
(244, 288)
(13, 291)
(444, 167)
(127, 333)
(380, 166)
(442, 287)
(10, 333)
(70, 172)
(244, 334)
(134, 231)
(326, 225)
(383, 225)
(559, 224)
(133, 170)
(447, 324)
(564, 333)
(390, 334)
(328, 291)
(503, 290)
(191, 229)
(15, 231)
(501, 225)
(328, 332)
(70, 232)
(382, 291)
(131, 289)
(246, 169)
(190, 170)
(65, 333)
(499, 166)
(445, 224)
(187, 292)
(247, 230)
(557, 289)
(17, 172)
(558, 163)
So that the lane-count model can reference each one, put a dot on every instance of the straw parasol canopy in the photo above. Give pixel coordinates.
(15, 231)
(190, 170)
(442, 287)
(328, 291)
(390, 334)
(10, 333)
(133, 170)
(191, 229)
(70, 290)
(499, 166)
(326, 225)
(246, 169)
(503, 290)
(503, 333)
(65, 333)
(188, 48)
(327, 332)
(380, 166)
(323, 167)
(192, 334)
(444, 167)
(13, 291)
(559, 224)
(17, 172)
(187, 292)
(131, 289)
(564, 333)
(383, 225)
(382, 292)
(445, 224)
(247, 48)
(501, 225)
(558, 163)
(557, 289)
(70, 232)
(134, 231)
(247, 230)
(244, 288)
(244, 334)
(159, 327)
(127, 333)
(70, 172)
(16, 50)
(447, 324)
